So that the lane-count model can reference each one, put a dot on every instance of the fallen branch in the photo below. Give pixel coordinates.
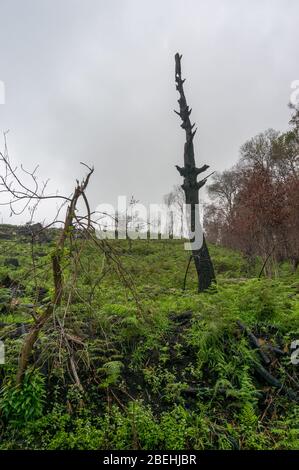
(261, 371)
(255, 343)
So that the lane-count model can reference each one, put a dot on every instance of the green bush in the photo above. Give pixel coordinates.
(21, 404)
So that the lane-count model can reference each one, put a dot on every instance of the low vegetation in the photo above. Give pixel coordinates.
(141, 363)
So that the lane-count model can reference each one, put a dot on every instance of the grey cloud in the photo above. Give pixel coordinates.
(93, 81)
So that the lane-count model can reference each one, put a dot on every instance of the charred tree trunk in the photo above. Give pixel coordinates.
(203, 263)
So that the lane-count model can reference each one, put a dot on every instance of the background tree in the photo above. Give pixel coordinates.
(255, 205)
(175, 201)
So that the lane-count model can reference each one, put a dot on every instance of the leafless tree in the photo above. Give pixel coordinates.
(202, 259)
(175, 201)
(21, 190)
(224, 188)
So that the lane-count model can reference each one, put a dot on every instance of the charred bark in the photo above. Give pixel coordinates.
(203, 263)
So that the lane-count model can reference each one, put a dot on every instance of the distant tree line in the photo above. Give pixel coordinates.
(255, 205)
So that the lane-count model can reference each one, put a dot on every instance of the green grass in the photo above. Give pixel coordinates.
(151, 381)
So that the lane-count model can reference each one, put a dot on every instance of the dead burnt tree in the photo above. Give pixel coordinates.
(57, 256)
(203, 263)
(21, 191)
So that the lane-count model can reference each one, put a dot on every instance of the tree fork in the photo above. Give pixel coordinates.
(33, 334)
(202, 260)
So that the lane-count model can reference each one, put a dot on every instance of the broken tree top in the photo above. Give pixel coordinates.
(189, 170)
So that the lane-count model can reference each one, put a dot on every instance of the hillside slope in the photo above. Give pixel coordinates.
(158, 367)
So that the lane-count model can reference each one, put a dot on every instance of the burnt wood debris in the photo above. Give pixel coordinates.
(202, 260)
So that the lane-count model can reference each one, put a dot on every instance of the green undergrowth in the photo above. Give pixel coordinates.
(173, 370)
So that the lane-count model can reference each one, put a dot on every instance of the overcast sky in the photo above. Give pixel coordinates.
(93, 81)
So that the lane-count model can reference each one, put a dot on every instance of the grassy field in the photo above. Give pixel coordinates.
(158, 367)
